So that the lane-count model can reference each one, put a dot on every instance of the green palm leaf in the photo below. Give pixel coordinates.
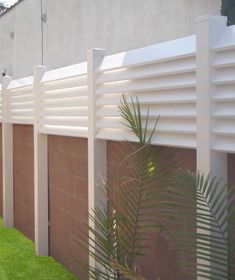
(205, 205)
(121, 231)
(194, 213)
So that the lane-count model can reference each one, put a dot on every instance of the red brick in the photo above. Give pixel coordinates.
(1, 190)
(159, 263)
(23, 179)
(231, 168)
(68, 193)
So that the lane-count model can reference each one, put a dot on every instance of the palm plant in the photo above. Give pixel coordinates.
(121, 232)
(147, 192)
(206, 206)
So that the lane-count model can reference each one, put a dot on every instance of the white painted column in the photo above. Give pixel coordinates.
(97, 150)
(208, 31)
(7, 160)
(40, 172)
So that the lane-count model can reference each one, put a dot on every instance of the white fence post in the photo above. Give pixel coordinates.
(40, 173)
(97, 150)
(7, 160)
(208, 31)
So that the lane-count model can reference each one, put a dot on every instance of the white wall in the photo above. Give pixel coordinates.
(18, 54)
(73, 26)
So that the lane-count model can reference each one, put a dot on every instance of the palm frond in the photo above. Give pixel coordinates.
(203, 203)
(120, 232)
(133, 119)
(193, 212)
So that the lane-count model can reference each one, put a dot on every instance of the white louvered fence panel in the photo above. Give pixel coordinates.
(224, 94)
(163, 77)
(63, 105)
(20, 107)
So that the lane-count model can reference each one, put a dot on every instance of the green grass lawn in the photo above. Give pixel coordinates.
(18, 261)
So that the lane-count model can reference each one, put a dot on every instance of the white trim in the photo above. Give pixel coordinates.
(7, 160)
(97, 151)
(40, 174)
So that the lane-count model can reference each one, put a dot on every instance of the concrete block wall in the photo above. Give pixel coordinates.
(115, 26)
(23, 179)
(68, 199)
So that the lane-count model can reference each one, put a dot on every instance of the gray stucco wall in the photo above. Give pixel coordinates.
(73, 26)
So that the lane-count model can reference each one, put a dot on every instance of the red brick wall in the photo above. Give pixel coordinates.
(231, 168)
(1, 194)
(149, 267)
(68, 193)
(23, 178)
(231, 180)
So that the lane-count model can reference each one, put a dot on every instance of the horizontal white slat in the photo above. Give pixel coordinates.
(22, 105)
(68, 92)
(73, 82)
(64, 131)
(225, 74)
(186, 110)
(66, 121)
(225, 98)
(186, 65)
(224, 64)
(65, 102)
(68, 111)
(19, 107)
(227, 40)
(22, 90)
(224, 115)
(171, 97)
(225, 81)
(224, 91)
(20, 120)
(178, 48)
(224, 124)
(225, 143)
(65, 72)
(225, 132)
(224, 108)
(165, 130)
(224, 59)
(21, 97)
(19, 84)
(21, 112)
(147, 85)
(164, 139)
(163, 124)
